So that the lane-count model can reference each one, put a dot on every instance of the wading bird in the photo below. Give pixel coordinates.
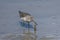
(26, 17)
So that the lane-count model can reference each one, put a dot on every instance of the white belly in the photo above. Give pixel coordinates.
(27, 18)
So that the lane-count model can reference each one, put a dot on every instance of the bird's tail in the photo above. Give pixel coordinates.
(34, 22)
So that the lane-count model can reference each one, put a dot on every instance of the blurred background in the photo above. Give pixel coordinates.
(45, 12)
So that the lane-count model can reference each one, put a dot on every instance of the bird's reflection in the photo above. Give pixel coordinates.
(28, 35)
(25, 24)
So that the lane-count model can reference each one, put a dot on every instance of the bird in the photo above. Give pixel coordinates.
(26, 17)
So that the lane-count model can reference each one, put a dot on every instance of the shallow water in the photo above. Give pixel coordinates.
(15, 36)
(45, 12)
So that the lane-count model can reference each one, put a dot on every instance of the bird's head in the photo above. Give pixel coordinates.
(20, 12)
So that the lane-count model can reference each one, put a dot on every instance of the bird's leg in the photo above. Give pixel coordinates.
(35, 30)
